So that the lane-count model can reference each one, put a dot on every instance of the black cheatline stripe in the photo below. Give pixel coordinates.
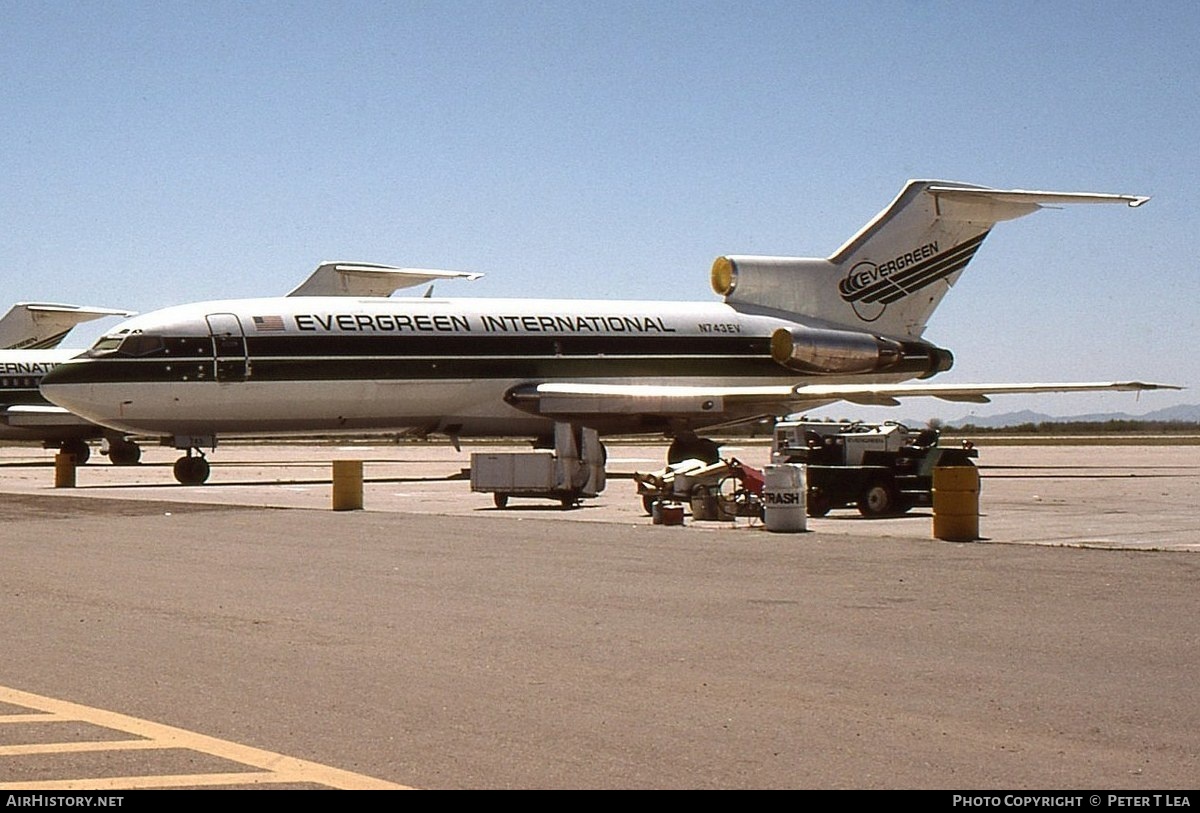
(888, 285)
(404, 345)
(486, 344)
(558, 368)
(280, 369)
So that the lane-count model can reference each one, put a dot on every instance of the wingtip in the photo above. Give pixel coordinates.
(1145, 385)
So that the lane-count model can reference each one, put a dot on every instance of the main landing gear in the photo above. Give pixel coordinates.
(120, 452)
(79, 448)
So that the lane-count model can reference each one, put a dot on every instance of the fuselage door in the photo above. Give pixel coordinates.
(229, 347)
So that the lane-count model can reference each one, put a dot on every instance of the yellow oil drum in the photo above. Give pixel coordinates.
(64, 470)
(347, 485)
(956, 503)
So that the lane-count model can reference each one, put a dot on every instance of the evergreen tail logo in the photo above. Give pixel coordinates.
(871, 287)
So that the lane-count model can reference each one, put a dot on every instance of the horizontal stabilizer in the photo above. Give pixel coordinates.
(1027, 196)
(369, 279)
(84, 312)
(43, 325)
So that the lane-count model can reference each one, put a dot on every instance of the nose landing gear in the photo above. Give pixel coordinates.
(192, 470)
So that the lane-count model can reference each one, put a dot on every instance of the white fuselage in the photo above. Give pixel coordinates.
(315, 365)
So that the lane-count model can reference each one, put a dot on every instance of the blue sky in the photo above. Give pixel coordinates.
(158, 153)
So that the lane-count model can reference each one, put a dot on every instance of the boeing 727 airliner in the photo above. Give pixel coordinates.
(790, 334)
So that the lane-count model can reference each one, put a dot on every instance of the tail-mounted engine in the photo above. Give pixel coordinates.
(845, 352)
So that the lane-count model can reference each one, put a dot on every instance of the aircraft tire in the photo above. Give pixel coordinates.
(191, 471)
(124, 453)
(500, 500)
(79, 448)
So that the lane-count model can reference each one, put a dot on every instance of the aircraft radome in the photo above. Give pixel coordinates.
(30, 332)
(791, 334)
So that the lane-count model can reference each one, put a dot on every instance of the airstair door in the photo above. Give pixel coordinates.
(229, 347)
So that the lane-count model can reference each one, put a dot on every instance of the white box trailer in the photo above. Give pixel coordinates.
(573, 471)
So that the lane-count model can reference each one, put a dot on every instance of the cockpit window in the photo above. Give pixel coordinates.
(141, 344)
(128, 344)
(107, 344)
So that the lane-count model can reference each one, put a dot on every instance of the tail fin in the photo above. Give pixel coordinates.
(890, 276)
(42, 326)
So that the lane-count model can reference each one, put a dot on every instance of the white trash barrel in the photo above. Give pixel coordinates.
(784, 498)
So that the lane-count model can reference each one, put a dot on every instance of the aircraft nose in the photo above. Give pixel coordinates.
(57, 375)
(66, 385)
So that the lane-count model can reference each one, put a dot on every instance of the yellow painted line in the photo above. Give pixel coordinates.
(77, 747)
(274, 768)
(152, 781)
(28, 718)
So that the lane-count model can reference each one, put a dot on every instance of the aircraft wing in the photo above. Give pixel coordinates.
(613, 399)
(370, 279)
(887, 394)
(40, 415)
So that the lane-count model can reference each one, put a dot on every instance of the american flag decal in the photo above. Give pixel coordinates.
(268, 324)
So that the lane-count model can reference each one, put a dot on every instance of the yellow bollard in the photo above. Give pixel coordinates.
(347, 485)
(956, 503)
(64, 470)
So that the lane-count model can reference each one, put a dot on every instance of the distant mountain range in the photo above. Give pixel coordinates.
(1188, 413)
